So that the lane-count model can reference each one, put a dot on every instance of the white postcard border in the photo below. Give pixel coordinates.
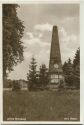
(81, 62)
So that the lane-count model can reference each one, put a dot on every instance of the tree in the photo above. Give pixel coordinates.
(72, 71)
(16, 85)
(43, 76)
(76, 60)
(65, 68)
(68, 72)
(12, 33)
(76, 69)
(32, 75)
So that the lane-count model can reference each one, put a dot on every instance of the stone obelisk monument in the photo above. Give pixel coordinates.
(55, 65)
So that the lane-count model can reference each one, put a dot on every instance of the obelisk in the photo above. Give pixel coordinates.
(55, 65)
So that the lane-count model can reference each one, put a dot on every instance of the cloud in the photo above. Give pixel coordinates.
(27, 55)
(70, 19)
(62, 32)
(43, 27)
(68, 43)
(73, 42)
(64, 37)
(35, 46)
(38, 43)
(30, 35)
(35, 40)
(38, 32)
(40, 35)
(67, 37)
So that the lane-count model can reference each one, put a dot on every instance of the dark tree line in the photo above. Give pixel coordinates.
(37, 79)
(72, 71)
(40, 79)
(12, 33)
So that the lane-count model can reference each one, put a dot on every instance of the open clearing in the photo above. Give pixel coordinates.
(41, 105)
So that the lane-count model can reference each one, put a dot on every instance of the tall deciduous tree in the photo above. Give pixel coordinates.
(12, 33)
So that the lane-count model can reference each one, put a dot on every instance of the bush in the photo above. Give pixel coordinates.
(61, 85)
(69, 80)
(16, 86)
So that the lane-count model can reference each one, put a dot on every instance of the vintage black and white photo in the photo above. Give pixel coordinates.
(41, 62)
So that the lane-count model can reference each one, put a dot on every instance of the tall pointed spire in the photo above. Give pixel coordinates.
(55, 65)
(55, 49)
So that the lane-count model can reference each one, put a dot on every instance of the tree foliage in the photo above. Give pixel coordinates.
(76, 60)
(68, 72)
(37, 80)
(12, 33)
(43, 76)
(32, 75)
(76, 68)
(16, 85)
(72, 71)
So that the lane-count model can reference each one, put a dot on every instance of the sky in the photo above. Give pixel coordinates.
(38, 20)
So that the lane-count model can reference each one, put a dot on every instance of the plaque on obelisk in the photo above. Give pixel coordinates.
(55, 65)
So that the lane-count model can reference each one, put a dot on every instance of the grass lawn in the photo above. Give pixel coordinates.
(42, 105)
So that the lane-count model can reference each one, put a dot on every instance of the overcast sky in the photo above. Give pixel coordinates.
(38, 21)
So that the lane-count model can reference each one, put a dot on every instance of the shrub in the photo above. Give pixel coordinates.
(61, 85)
(16, 86)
